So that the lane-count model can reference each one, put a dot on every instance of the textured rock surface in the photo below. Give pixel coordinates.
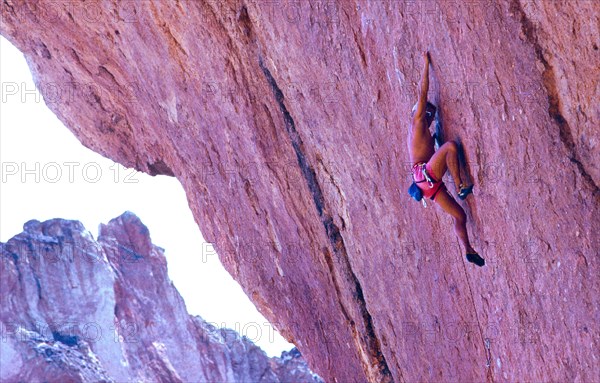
(286, 123)
(78, 310)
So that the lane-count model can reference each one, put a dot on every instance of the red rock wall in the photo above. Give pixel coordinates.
(286, 124)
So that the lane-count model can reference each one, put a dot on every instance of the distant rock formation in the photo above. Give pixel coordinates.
(73, 309)
(286, 123)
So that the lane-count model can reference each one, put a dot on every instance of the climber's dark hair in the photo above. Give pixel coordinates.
(429, 108)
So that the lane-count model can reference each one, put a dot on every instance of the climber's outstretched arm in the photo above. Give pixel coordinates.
(424, 85)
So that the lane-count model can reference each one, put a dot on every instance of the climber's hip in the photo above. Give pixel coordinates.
(423, 176)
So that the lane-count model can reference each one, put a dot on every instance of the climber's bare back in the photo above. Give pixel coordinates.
(420, 142)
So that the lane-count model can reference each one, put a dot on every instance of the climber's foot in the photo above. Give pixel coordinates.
(464, 191)
(476, 259)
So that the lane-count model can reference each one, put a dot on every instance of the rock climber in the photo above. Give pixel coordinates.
(429, 165)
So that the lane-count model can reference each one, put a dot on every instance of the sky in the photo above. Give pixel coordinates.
(47, 173)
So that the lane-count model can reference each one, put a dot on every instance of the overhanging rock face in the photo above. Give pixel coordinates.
(286, 124)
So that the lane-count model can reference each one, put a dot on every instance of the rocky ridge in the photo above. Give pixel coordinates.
(74, 309)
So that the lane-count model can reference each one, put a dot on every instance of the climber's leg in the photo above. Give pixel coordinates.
(446, 158)
(448, 203)
(460, 224)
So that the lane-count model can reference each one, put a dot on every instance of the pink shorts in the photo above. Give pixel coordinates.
(430, 190)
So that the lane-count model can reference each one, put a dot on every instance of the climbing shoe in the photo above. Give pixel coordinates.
(464, 191)
(476, 259)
